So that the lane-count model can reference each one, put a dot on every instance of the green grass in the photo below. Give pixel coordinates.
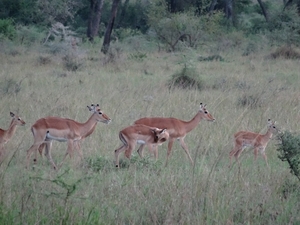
(143, 191)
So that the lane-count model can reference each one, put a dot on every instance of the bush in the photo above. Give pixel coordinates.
(289, 151)
(187, 78)
(7, 29)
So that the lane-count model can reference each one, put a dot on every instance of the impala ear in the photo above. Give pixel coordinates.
(163, 130)
(12, 114)
(270, 122)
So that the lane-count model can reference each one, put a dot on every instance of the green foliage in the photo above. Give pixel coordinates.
(289, 151)
(187, 78)
(28, 35)
(98, 163)
(7, 29)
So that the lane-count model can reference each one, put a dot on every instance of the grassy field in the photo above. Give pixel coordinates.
(241, 92)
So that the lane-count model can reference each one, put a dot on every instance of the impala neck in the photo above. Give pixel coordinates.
(10, 131)
(268, 135)
(89, 126)
(190, 125)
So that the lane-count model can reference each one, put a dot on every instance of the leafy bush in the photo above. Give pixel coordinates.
(7, 29)
(187, 78)
(289, 151)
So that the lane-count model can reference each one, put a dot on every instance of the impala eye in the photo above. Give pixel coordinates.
(205, 112)
(19, 119)
(274, 127)
(100, 113)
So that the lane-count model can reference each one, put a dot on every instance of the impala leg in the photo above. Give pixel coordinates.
(48, 154)
(69, 151)
(33, 148)
(78, 147)
(128, 150)
(117, 152)
(155, 151)
(183, 145)
(263, 153)
(140, 150)
(170, 144)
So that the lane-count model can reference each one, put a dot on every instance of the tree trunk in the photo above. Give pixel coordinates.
(263, 10)
(109, 27)
(212, 5)
(94, 18)
(228, 9)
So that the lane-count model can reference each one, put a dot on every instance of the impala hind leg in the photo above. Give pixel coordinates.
(33, 148)
(117, 153)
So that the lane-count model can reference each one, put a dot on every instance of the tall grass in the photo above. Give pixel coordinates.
(144, 191)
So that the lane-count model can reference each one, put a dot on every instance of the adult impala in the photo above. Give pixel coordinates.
(6, 135)
(92, 109)
(259, 142)
(47, 129)
(177, 129)
(139, 134)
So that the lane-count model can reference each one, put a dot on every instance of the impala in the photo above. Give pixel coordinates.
(177, 129)
(47, 129)
(243, 139)
(92, 109)
(6, 135)
(139, 134)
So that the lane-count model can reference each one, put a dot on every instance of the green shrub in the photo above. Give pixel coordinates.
(7, 29)
(289, 151)
(187, 78)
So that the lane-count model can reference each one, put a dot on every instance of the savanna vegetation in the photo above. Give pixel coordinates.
(163, 59)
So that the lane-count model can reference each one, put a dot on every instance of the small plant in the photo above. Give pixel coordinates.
(97, 164)
(72, 62)
(187, 78)
(285, 52)
(252, 101)
(289, 151)
(211, 58)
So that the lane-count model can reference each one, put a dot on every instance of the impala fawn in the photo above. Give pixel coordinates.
(243, 139)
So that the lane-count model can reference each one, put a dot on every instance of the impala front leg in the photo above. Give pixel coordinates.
(69, 150)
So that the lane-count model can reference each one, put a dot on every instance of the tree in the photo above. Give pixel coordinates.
(263, 10)
(110, 25)
(94, 18)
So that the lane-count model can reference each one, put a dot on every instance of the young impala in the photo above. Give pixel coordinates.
(177, 129)
(47, 129)
(243, 139)
(6, 135)
(139, 134)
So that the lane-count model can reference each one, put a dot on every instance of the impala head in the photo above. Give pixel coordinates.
(17, 120)
(272, 127)
(102, 117)
(205, 114)
(160, 135)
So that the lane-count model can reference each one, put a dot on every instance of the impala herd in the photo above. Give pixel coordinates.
(148, 131)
